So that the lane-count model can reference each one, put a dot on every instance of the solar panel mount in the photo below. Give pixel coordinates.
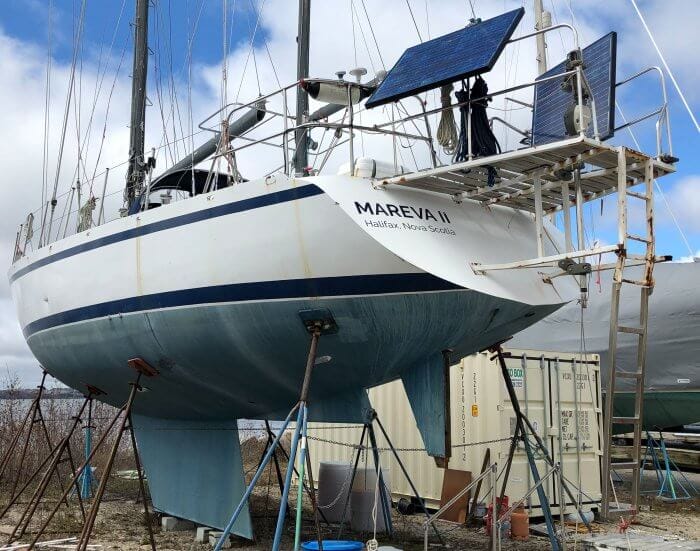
(552, 101)
(455, 56)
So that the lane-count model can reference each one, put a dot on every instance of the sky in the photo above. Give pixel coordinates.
(185, 86)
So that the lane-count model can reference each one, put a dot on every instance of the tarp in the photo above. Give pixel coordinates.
(673, 347)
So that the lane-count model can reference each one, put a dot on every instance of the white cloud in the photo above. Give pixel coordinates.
(22, 96)
(685, 202)
(694, 258)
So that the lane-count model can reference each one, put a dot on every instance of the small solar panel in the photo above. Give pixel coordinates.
(551, 102)
(467, 52)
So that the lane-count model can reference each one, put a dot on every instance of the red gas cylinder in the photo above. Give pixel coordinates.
(519, 524)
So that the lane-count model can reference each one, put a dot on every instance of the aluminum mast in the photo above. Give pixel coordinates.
(300, 135)
(137, 173)
(542, 21)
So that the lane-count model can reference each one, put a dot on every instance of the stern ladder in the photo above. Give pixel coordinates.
(613, 419)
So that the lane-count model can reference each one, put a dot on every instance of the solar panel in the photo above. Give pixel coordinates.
(551, 101)
(467, 52)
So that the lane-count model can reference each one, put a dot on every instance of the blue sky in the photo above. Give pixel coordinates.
(341, 38)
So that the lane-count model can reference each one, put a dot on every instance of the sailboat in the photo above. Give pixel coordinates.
(213, 290)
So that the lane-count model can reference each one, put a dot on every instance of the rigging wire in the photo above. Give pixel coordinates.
(47, 105)
(668, 69)
(638, 146)
(471, 6)
(374, 36)
(158, 71)
(364, 37)
(107, 110)
(98, 90)
(413, 17)
(66, 113)
(250, 51)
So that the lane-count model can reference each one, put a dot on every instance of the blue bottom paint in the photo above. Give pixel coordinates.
(222, 362)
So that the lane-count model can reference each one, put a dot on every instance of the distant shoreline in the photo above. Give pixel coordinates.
(30, 394)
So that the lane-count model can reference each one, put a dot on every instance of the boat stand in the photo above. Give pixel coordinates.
(670, 488)
(57, 455)
(369, 432)
(522, 428)
(32, 418)
(123, 416)
(280, 482)
(317, 323)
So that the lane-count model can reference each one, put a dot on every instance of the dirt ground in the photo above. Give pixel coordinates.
(120, 524)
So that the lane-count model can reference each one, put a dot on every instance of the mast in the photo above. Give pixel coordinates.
(136, 174)
(542, 21)
(300, 137)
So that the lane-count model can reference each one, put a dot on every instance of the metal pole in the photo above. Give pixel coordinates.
(494, 506)
(408, 478)
(102, 200)
(386, 507)
(135, 173)
(351, 140)
(92, 516)
(254, 481)
(352, 479)
(539, 214)
(301, 154)
(285, 136)
(87, 473)
(142, 486)
(521, 420)
(76, 477)
(300, 486)
(287, 482)
(541, 44)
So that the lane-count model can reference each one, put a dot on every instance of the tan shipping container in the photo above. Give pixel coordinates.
(560, 394)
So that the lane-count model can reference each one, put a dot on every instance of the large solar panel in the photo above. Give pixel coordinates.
(551, 101)
(467, 52)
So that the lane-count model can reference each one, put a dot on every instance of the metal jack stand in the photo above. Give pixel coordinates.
(317, 322)
(34, 416)
(669, 487)
(270, 439)
(54, 459)
(522, 426)
(125, 424)
(386, 507)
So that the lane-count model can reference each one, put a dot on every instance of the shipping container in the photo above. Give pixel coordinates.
(559, 393)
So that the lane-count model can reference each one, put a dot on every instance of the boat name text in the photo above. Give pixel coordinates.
(402, 211)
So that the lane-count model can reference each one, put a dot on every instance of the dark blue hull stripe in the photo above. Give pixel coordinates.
(269, 199)
(265, 290)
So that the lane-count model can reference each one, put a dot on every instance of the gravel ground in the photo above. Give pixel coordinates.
(120, 524)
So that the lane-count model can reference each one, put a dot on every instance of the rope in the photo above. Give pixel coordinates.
(447, 129)
(372, 544)
(482, 140)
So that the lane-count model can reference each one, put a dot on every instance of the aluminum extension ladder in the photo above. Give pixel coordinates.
(645, 286)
